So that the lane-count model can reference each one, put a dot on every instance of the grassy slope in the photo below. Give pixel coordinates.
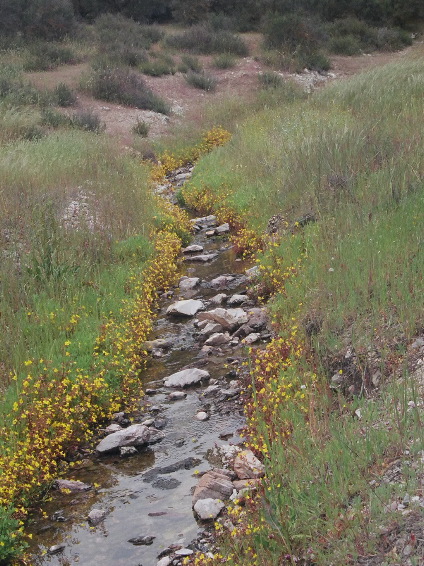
(353, 156)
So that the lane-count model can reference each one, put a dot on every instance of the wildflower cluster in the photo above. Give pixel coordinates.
(168, 162)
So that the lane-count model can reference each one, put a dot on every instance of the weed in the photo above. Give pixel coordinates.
(189, 63)
(158, 66)
(202, 81)
(63, 95)
(224, 61)
(203, 39)
(141, 128)
(47, 56)
(270, 80)
(88, 121)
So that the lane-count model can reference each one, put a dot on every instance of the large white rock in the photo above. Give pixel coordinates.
(228, 318)
(192, 249)
(237, 300)
(209, 509)
(187, 307)
(188, 283)
(210, 328)
(134, 435)
(186, 377)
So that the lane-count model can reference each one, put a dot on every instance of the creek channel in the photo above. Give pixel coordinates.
(138, 494)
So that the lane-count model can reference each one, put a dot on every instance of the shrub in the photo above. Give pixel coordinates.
(161, 65)
(14, 91)
(270, 80)
(141, 128)
(48, 19)
(116, 30)
(63, 95)
(125, 87)
(189, 63)
(344, 45)
(224, 61)
(47, 56)
(54, 119)
(315, 61)
(202, 81)
(291, 31)
(88, 121)
(203, 39)
(392, 39)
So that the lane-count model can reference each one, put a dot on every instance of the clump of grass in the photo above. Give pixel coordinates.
(270, 80)
(158, 66)
(88, 121)
(18, 123)
(141, 128)
(48, 56)
(63, 95)
(204, 40)
(201, 81)
(224, 61)
(15, 91)
(125, 87)
(189, 63)
(54, 119)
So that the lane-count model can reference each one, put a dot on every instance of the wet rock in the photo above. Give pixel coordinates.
(210, 328)
(237, 300)
(188, 283)
(72, 485)
(208, 509)
(253, 272)
(187, 307)
(58, 516)
(134, 435)
(219, 299)
(96, 516)
(247, 466)
(160, 423)
(215, 484)
(184, 552)
(127, 451)
(205, 221)
(186, 377)
(166, 483)
(229, 393)
(223, 229)
(251, 338)
(221, 281)
(148, 422)
(192, 249)
(202, 416)
(243, 331)
(228, 318)
(142, 540)
(114, 427)
(162, 343)
(177, 396)
(202, 258)
(258, 318)
(218, 339)
(251, 484)
(210, 233)
(121, 418)
(165, 561)
(56, 549)
(211, 390)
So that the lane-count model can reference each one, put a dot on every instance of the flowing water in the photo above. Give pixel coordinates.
(142, 498)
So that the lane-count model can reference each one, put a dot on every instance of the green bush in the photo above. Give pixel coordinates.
(46, 56)
(202, 81)
(48, 19)
(12, 544)
(87, 121)
(345, 45)
(14, 91)
(315, 61)
(204, 40)
(115, 30)
(125, 87)
(224, 61)
(159, 66)
(141, 128)
(270, 80)
(291, 31)
(54, 119)
(63, 95)
(189, 63)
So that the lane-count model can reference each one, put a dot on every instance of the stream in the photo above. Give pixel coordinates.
(139, 496)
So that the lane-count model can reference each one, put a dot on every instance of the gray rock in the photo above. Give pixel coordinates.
(187, 307)
(188, 283)
(210, 233)
(223, 229)
(218, 339)
(210, 328)
(208, 509)
(177, 395)
(96, 516)
(202, 416)
(141, 540)
(186, 377)
(253, 272)
(215, 484)
(251, 338)
(184, 552)
(222, 281)
(134, 435)
(228, 318)
(258, 318)
(247, 466)
(211, 390)
(56, 549)
(205, 221)
(165, 561)
(114, 427)
(202, 258)
(192, 249)
(150, 345)
(219, 299)
(237, 300)
(73, 485)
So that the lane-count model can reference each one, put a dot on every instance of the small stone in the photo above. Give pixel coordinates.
(222, 281)
(186, 377)
(247, 466)
(71, 485)
(184, 552)
(187, 307)
(165, 561)
(210, 328)
(142, 540)
(215, 484)
(253, 272)
(210, 233)
(114, 427)
(203, 258)
(192, 249)
(148, 422)
(223, 229)
(202, 416)
(127, 451)
(56, 549)
(208, 509)
(218, 339)
(251, 338)
(237, 300)
(188, 283)
(177, 395)
(219, 299)
(96, 516)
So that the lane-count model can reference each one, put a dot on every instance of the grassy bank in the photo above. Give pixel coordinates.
(333, 401)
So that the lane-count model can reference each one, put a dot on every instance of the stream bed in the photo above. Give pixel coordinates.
(150, 492)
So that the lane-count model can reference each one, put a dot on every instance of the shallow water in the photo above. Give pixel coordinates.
(139, 500)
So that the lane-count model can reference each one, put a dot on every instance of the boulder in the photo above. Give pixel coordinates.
(251, 338)
(96, 516)
(134, 435)
(188, 307)
(208, 509)
(247, 466)
(258, 318)
(215, 484)
(151, 345)
(72, 485)
(177, 395)
(186, 377)
(210, 328)
(192, 249)
(188, 283)
(202, 258)
(219, 299)
(113, 427)
(228, 318)
(218, 339)
(222, 281)
(237, 300)
(223, 229)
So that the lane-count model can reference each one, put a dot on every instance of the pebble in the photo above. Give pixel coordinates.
(202, 416)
